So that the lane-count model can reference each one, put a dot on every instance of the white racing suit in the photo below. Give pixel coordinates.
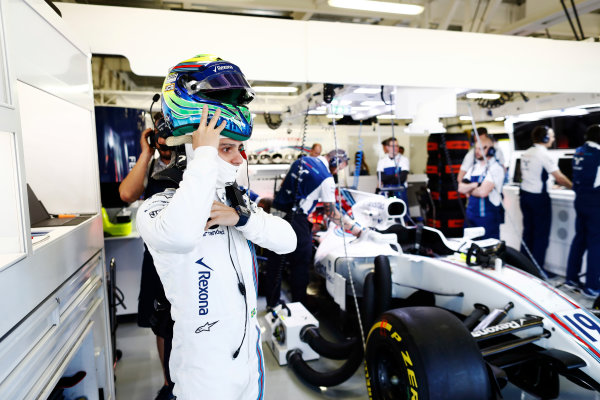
(201, 272)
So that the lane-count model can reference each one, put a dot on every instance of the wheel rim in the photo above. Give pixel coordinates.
(390, 378)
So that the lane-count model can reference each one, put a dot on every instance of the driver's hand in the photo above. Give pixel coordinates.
(220, 214)
(207, 134)
(144, 140)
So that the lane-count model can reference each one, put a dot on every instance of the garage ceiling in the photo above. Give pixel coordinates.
(545, 18)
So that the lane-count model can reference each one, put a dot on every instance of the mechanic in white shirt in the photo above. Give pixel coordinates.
(483, 184)
(392, 170)
(202, 235)
(536, 166)
(469, 158)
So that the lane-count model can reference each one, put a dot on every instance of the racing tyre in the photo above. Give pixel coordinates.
(518, 260)
(383, 284)
(424, 353)
(368, 300)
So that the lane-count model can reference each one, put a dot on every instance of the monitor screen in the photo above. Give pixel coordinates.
(566, 166)
(568, 130)
(118, 135)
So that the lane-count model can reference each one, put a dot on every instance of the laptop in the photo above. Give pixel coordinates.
(40, 218)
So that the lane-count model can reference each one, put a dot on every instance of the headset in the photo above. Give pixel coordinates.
(546, 137)
(160, 128)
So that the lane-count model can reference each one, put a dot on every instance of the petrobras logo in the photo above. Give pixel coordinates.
(203, 279)
(219, 68)
(496, 328)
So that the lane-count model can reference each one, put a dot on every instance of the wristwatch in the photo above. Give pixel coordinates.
(244, 214)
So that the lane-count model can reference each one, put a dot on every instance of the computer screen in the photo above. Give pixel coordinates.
(566, 166)
(568, 130)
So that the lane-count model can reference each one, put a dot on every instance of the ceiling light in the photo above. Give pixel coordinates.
(335, 116)
(317, 112)
(386, 116)
(499, 119)
(364, 90)
(465, 118)
(378, 6)
(372, 103)
(484, 96)
(275, 89)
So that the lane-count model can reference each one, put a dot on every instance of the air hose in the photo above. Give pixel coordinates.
(329, 378)
(336, 351)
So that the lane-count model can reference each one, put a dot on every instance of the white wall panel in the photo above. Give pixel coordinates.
(313, 51)
(154, 40)
(42, 56)
(60, 151)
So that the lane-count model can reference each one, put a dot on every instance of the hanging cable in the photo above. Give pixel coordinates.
(475, 16)
(339, 205)
(577, 19)
(562, 2)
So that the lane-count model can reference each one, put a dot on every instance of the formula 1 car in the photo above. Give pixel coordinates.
(447, 344)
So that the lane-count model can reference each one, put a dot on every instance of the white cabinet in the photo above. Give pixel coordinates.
(53, 297)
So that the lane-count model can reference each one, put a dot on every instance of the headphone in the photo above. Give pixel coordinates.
(491, 152)
(546, 139)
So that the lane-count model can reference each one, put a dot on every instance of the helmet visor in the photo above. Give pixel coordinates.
(229, 87)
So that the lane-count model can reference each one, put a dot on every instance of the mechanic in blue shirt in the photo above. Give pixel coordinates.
(536, 166)
(483, 183)
(586, 184)
(308, 181)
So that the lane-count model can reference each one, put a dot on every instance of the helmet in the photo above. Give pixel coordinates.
(207, 79)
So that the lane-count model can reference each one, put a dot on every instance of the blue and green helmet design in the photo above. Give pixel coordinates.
(207, 79)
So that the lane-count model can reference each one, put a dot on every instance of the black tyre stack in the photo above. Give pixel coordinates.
(445, 154)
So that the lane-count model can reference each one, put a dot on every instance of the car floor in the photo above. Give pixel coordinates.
(139, 375)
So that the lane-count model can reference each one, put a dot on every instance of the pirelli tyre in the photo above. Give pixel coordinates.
(424, 353)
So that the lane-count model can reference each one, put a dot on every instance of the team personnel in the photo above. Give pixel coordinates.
(536, 166)
(483, 183)
(201, 235)
(469, 159)
(586, 184)
(308, 181)
(315, 150)
(153, 308)
(393, 169)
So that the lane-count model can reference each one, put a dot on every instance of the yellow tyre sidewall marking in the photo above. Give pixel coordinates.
(412, 379)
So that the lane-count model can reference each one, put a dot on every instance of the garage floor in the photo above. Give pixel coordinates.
(139, 375)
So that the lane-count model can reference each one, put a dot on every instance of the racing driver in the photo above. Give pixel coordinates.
(201, 235)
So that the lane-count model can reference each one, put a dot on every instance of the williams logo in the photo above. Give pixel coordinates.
(203, 277)
(206, 327)
(221, 67)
